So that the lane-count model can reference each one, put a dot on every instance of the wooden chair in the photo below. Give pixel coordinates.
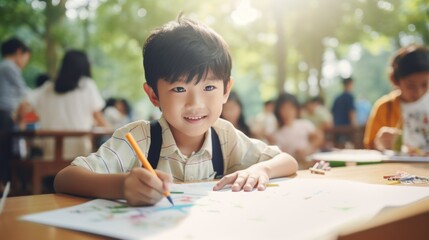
(34, 170)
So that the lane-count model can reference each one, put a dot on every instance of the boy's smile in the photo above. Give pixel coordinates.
(190, 109)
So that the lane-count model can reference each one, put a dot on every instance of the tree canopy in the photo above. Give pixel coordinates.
(277, 45)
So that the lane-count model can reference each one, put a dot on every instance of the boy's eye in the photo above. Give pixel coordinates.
(209, 88)
(179, 89)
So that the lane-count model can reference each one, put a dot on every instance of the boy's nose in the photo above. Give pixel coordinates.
(194, 100)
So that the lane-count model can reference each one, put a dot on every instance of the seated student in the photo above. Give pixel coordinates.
(317, 113)
(117, 112)
(406, 107)
(232, 111)
(298, 137)
(187, 68)
(265, 123)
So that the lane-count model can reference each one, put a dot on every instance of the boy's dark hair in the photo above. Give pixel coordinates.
(185, 49)
(268, 102)
(41, 79)
(242, 125)
(74, 66)
(317, 99)
(282, 99)
(12, 45)
(409, 60)
(347, 80)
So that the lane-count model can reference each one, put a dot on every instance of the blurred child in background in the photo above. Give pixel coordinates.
(404, 110)
(298, 137)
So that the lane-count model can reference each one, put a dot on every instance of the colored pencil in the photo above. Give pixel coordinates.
(145, 162)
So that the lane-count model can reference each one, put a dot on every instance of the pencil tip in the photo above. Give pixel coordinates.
(170, 200)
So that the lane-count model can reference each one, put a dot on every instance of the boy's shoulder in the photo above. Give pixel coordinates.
(135, 126)
(392, 97)
(222, 125)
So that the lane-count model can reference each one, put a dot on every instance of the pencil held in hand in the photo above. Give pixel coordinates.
(144, 161)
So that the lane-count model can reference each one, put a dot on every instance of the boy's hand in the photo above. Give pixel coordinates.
(386, 137)
(143, 188)
(247, 180)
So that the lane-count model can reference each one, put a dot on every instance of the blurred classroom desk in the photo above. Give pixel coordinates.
(26, 170)
(408, 222)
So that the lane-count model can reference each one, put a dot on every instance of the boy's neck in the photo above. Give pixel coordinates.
(188, 145)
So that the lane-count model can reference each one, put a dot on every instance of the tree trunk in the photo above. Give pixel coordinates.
(53, 15)
(280, 51)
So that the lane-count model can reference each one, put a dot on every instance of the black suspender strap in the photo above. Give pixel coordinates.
(156, 143)
(217, 158)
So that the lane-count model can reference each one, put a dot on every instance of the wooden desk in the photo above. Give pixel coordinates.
(35, 169)
(409, 222)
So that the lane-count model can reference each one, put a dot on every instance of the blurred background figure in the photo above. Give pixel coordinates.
(232, 111)
(404, 110)
(363, 109)
(344, 113)
(12, 89)
(317, 113)
(117, 112)
(70, 103)
(265, 123)
(343, 108)
(298, 137)
(28, 117)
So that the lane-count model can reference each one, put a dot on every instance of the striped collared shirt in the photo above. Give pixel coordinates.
(117, 156)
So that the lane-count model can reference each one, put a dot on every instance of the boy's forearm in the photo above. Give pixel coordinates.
(79, 181)
(281, 165)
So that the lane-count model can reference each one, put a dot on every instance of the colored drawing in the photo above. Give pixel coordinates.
(282, 212)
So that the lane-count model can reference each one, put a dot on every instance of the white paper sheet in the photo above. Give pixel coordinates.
(296, 209)
(365, 155)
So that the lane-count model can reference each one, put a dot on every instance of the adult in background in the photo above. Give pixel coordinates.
(344, 110)
(12, 89)
(70, 103)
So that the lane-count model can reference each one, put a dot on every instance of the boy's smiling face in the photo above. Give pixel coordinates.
(189, 108)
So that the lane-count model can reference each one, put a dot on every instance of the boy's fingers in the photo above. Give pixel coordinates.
(239, 182)
(147, 178)
(228, 179)
(166, 179)
(262, 183)
(251, 182)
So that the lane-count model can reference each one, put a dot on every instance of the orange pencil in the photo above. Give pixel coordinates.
(144, 161)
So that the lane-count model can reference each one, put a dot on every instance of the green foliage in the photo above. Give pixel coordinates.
(115, 30)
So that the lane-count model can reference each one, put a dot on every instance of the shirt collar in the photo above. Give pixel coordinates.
(169, 145)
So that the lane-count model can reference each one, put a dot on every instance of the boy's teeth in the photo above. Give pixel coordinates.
(194, 118)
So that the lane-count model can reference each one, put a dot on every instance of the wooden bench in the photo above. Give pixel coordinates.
(26, 169)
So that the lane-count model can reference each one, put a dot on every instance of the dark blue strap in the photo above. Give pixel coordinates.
(156, 142)
(217, 158)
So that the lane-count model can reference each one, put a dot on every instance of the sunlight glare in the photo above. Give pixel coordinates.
(244, 14)
(385, 5)
(141, 12)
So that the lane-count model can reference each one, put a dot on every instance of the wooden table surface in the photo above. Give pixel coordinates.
(408, 222)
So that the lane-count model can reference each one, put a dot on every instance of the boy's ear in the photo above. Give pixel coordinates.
(392, 78)
(228, 90)
(151, 94)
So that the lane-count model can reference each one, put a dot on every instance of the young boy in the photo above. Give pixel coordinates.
(187, 69)
(406, 107)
